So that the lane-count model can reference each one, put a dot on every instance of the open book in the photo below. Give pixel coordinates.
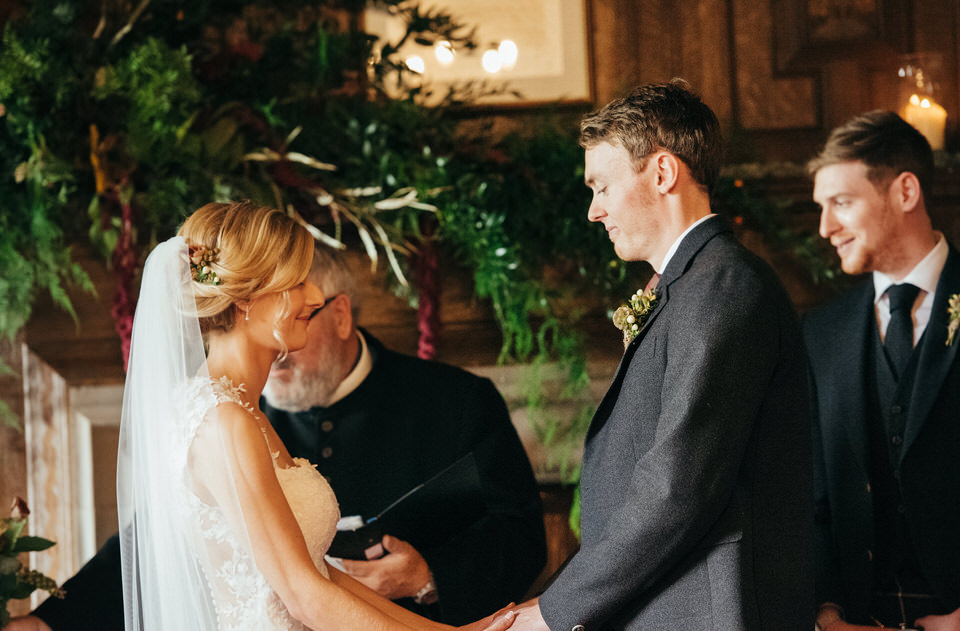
(432, 511)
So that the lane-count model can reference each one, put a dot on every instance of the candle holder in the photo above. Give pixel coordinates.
(919, 96)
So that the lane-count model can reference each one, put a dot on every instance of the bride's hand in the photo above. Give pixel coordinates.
(499, 621)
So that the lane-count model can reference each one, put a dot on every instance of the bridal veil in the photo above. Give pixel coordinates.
(160, 475)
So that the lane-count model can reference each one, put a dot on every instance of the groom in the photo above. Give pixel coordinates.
(695, 491)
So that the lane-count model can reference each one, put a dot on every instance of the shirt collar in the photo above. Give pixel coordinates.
(356, 376)
(924, 275)
(676, 244)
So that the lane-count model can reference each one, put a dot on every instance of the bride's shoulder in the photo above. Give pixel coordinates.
(209, 398)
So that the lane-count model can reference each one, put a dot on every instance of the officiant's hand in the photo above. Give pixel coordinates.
(400, 574)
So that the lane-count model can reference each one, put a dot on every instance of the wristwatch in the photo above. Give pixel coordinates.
(427, 595)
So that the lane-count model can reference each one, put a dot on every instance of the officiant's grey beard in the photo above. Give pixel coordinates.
(299, 383)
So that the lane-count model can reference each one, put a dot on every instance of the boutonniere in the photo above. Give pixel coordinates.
(630, 317)
(953, 311)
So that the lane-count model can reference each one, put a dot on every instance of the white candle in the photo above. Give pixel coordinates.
(929, 118)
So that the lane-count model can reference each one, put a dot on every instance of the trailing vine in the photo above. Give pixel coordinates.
(114, 124)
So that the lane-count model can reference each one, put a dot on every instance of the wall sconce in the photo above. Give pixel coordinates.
(919, 96)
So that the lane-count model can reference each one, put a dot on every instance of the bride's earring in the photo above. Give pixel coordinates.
(246, 314)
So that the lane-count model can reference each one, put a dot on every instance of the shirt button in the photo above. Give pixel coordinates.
(327, 426)
(896, 440)
(327, 452)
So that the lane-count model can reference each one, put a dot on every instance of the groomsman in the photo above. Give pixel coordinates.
(377, 423)
(886, 388)
(695, 491)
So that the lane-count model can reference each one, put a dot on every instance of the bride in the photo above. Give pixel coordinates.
(221, 528)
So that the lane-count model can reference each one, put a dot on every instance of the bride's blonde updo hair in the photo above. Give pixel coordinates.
(259, 250)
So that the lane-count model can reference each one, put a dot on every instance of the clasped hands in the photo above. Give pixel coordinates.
(404, 571)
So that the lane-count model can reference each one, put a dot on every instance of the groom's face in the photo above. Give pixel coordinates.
(624, 200)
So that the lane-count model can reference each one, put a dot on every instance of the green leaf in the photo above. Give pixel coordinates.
(32, 544)
(14, 528)
(22, 590)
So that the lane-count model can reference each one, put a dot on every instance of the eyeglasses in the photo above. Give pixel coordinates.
(324, 305)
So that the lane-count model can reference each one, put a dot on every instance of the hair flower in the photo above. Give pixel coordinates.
(201, 258)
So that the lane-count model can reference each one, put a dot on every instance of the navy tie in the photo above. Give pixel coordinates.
(899, 338)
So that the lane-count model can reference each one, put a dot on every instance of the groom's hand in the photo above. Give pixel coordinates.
(400, 574)
(529, 617)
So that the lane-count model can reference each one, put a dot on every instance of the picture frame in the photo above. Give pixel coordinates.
(552, 62)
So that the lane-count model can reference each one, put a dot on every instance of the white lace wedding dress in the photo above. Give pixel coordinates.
(242, 598)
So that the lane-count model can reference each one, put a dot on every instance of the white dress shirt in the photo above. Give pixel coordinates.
(676, 244)
(925, 275)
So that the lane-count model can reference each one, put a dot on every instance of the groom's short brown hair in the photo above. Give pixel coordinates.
(667, 116)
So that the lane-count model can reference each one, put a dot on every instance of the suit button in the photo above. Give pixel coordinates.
(896, 440)
(578, 627)
(327, 452)
(327, 426)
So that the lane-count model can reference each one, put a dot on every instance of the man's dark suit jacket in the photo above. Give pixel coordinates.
(838, 337)
(696, 499)
(407, 421)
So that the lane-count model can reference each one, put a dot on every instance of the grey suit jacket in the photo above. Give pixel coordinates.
(696, 494)
(838, 336)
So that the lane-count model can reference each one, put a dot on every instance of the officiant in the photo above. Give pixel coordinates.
(378, 423)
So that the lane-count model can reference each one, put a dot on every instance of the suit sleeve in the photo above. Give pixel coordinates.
(495, 560)
(723, 350)
(94, 595)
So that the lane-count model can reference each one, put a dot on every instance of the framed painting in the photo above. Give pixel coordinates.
(530, 52)
(809, 33)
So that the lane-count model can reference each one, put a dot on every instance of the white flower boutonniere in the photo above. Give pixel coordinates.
(953, 310)
(630, 317)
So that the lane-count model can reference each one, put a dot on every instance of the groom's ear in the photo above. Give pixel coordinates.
(666, 171)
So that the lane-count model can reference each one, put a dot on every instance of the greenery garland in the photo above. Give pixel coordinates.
(115, 124)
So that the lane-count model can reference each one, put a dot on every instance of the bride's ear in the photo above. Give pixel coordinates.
(242, 310)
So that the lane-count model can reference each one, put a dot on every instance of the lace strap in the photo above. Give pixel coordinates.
(225, 390)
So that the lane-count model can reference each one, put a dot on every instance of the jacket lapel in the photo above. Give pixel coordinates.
(936, 357)
(849, 384)
(679, 263)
